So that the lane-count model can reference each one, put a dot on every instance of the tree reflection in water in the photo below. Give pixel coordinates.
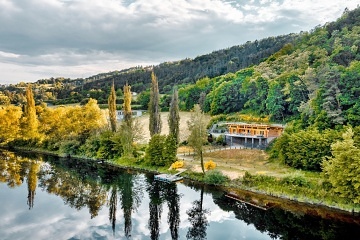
(160, 192)
(32, 178)
(281, 224)
(197, 218)
(84, 184)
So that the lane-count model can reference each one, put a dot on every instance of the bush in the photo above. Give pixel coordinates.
(177, 164)
(215, 177)
(69, 146)
(210, 165)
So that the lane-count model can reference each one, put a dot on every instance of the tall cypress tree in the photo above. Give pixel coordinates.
(127, 131)
(112, 108)
(154, 109)
(31, 121)
(174, 117)
(127, 105)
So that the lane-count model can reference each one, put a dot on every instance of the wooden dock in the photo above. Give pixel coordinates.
(169, 177)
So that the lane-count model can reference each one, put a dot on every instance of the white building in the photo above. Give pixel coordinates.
(135, 113)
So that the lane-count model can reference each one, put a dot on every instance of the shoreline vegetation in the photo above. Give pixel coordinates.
(262, 192)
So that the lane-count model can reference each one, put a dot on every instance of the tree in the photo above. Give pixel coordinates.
(154, 109)
(305, 149)
(198, 134)
(343, 168)
(275, 103)
(127, 134)
(174, 117)
(127, 104)
(197, 218)
(31, 124)
(143, 99)
(10, 123)
(227, 98)
(112, 108)
(154, 151)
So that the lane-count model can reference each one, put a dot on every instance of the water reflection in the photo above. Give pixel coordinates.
(127, 204)
(197, 218)
(159, 193)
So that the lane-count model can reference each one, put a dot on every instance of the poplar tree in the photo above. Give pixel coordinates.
(154, 109)
(198, 134)
(127, 132)
(174, 117)
(127, 104)
(31, 121)
(112, 108)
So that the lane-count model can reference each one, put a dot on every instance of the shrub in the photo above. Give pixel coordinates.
(297, 180)
(220, 140)
(177, 164)
(215, 177)
(210, 165)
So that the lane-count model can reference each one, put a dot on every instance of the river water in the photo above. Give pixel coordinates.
(45, 197)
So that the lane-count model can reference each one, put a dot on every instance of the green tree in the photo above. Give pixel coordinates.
(174, 117)
(154, 151)
(305, 149)
(154, 108)
(198, 134)
(275, 103)
(255, 92)
(112, 108)
(343, 168)
(143, 99)
(227, 98)
(170, 149)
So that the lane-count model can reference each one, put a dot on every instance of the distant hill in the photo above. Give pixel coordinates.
(190, 70)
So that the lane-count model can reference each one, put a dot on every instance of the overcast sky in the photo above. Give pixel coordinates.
(80, 38)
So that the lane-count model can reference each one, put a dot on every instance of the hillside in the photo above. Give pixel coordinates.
(183, 72)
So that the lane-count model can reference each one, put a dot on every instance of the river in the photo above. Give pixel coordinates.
(46, 197)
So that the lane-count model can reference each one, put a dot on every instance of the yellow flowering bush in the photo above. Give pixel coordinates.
(177, 164)
(209, 165)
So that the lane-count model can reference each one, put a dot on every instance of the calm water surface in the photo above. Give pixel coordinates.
(44, 197)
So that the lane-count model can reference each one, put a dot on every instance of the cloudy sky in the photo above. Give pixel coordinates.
(79, 38)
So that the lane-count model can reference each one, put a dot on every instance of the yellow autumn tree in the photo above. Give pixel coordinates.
(10, 123)
(112, 108)
(30, 121)
(127, 135)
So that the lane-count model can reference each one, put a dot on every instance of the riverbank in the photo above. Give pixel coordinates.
(282, 184)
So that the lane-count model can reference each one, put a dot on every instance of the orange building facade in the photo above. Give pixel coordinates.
(264, 130)
(252, 135)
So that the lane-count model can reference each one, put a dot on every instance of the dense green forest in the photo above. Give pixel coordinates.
(310, 81)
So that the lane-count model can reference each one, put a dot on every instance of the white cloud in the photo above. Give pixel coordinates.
(43, 37)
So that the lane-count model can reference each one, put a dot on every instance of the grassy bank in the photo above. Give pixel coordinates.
(245, 169)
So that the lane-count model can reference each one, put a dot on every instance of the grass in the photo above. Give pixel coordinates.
(250, 169)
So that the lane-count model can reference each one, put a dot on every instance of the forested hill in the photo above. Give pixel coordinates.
(189, 70)
(317, 80)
